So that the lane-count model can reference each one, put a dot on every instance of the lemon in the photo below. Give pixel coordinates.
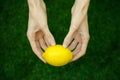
(57, 55)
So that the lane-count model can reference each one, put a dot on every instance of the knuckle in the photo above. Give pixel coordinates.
(87, 37)
(28, 34)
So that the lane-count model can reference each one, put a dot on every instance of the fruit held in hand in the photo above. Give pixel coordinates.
(57, 55)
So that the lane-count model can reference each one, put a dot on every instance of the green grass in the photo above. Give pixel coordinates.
(102, 59)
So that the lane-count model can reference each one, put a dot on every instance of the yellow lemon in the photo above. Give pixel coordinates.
(57, 55)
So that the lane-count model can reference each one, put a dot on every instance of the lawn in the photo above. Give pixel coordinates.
(102, 59)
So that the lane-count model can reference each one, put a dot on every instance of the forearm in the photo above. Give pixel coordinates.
(36, 5)
(80, 6)
(37, 10)
(79, 11)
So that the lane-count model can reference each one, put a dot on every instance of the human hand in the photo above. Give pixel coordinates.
(38, 32)
(78, 35)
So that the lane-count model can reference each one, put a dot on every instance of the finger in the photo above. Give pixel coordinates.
(77, 49)
(50, 40)
(49, 37)
(47, 43)
(77, 41)
(78, 37)
(36, 50)
(73, 45)
(82, 51)
(43, 44)
(68, 39)
(39, 47)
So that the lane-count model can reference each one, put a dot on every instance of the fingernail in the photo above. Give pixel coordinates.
(53, 43)
(64, 46)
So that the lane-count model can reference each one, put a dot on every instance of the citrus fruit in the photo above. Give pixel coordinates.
(57, 55)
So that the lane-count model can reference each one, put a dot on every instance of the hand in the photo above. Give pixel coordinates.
(38, 33)
(78, 35)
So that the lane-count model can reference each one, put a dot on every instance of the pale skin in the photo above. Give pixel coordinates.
(40, 36)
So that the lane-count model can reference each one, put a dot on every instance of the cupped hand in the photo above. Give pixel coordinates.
(78, 36)
(38, 32)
